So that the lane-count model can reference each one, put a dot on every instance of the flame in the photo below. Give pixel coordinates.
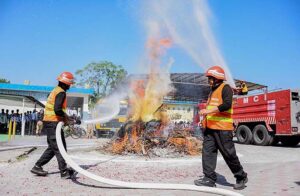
(130, 142)
(145, 103)
(119, 146)
(148, 94)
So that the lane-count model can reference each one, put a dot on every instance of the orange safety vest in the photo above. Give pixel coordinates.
(49, 114)
(218, 120)
(244, 88)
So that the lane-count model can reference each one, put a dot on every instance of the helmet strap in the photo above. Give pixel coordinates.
(216, 82)
(63, 86)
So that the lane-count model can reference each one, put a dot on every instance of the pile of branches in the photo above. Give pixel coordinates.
(153, 139)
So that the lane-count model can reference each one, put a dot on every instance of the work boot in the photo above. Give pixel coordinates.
(240, 184)
(38, 171)
(71, 171)
(67, 173)
(205, 182)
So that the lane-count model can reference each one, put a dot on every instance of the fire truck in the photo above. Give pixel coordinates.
(267, 118)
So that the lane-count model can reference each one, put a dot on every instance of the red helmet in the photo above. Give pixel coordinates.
(66, 78)
(216, 72)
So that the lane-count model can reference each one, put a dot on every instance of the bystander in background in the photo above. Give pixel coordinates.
(39, 124)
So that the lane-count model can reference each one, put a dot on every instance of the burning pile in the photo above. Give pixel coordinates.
(149, 130)
(152, 137)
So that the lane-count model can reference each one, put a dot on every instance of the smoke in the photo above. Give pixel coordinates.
(186, 23)
(107, 108)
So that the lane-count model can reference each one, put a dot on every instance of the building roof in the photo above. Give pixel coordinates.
(23, 87)
(192, 86)
(201, 79)
(17, 100)
(251, 85)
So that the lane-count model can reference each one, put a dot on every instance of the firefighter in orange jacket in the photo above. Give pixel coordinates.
(55, 111)
(218, 124)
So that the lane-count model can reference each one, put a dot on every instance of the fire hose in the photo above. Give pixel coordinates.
(134, 185)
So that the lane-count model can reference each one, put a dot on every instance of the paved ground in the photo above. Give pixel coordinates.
(272, 171)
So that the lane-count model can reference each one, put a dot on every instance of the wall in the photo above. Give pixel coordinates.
(179, 113)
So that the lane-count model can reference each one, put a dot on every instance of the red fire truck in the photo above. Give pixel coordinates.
(267, 118)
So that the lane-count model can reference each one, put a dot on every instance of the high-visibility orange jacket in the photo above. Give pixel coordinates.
(244, 88)
(218, 120)
(49, 114)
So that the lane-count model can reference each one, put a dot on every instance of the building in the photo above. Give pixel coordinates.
(14, 96)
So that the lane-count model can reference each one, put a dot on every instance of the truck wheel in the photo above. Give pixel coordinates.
(261, 135)
(244, 134)
(290, 141)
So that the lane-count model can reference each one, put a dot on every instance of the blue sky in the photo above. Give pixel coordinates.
(39, 39)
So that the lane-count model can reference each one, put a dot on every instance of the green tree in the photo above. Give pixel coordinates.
(3, 80)
(103, 76)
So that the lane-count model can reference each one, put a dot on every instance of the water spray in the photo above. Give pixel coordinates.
(188, 24)
(107, 108)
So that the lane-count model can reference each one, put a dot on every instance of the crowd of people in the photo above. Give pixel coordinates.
(33, 121)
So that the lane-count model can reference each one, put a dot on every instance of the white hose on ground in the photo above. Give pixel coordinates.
(135, 185)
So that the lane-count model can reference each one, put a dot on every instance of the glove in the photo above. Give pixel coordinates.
(78, 122)
(68, 120)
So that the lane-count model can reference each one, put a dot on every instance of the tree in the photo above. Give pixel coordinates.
(103, 76)
(3, 80)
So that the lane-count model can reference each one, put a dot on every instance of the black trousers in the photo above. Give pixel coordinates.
(52, 149)
(3, 128)
(215, 140)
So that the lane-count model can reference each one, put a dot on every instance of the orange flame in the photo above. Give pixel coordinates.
(145, 102)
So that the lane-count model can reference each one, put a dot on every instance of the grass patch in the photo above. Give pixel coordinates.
(21, 157)
(3, 137)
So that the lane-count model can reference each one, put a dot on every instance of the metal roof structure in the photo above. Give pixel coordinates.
(251, 85)
(201, 79)
(23, 87)
(193, 86)
(189, 78)
(17, 100)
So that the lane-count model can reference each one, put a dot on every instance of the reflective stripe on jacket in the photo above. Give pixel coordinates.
(49, 114)
(218, 120)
